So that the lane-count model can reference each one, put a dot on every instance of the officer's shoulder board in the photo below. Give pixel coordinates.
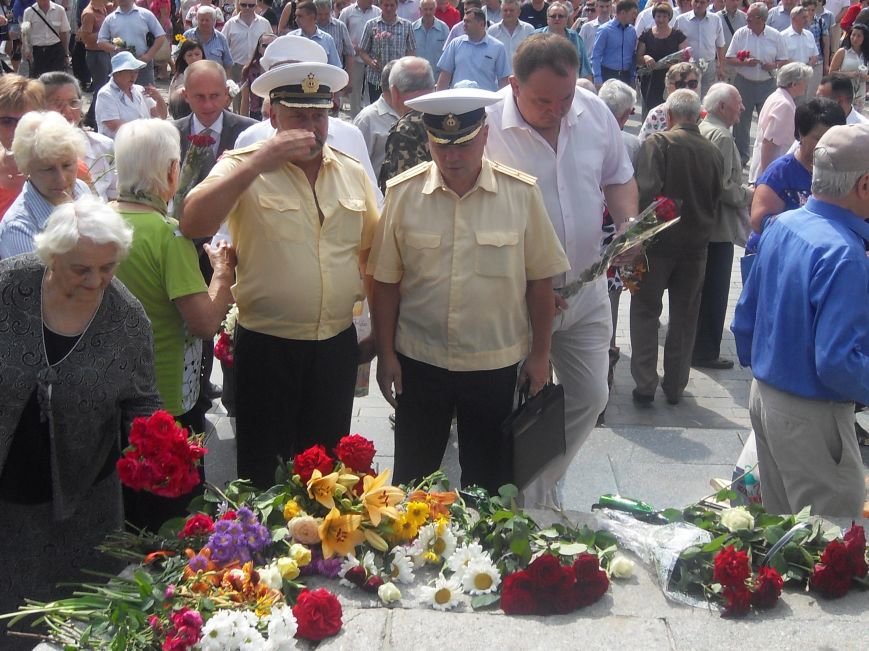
(516, 174)
(409, 174)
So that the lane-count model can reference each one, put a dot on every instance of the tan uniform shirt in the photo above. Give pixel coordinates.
(463, 264)
(296, 278)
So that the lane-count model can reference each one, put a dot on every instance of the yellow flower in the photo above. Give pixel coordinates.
(340, 533)
(291, 510)
(405, 529)
(300, 554)
(288, 568)
(417, 512)
(375, 540)
(180, 39)
(322, 488)
(379, 498)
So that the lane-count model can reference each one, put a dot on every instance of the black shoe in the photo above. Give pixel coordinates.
(718, 364)
(672, 400)
(211, 391)
(642, 398)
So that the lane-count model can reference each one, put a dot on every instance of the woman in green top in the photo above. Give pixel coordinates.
(162, 271)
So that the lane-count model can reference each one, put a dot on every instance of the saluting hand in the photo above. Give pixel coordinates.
(284, 147)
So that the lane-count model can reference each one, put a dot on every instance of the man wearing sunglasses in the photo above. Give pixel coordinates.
(242, 32)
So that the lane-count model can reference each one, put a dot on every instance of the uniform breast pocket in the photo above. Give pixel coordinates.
(349, 220)
(496, 252)
(423, 252)
(282, 218)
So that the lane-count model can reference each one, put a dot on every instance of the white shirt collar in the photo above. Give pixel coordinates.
(196, 127)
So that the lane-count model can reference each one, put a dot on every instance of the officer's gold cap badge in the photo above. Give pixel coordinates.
(310, 84)
(451, 123)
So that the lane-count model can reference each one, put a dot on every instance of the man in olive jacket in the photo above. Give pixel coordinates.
(682, 165)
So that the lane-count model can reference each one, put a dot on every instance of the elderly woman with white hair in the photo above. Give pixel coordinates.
(78, 367)
(47, 150)
(162, 271)
(775, 125)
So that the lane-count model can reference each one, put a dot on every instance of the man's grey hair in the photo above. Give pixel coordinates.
(86, 217)
(322, 4)
(618, 96)
(717, 95)
(793, 73)
(410, 74)
(207, 10)
(835, 185)
(144, 152)
(684, 105)
(761, 9)
(384, 75)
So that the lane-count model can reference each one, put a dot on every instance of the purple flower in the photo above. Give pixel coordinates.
(198, 563)
(329, 567)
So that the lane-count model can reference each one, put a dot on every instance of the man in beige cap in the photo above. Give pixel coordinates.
(802, 324)
(302, 218)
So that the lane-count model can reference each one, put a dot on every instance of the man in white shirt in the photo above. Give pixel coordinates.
(604, 14)
(755, 73)
(731, 20)
(375, 121)
(840, 89)
(408, 9)
(242, 32)
(492, 9)
(802, 47)
(355, 17)
(705, 35)
(570, 141)
(47, 45)
(510, 30)
(779, 17)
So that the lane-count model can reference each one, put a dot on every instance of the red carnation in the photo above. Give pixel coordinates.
(767, 588)
(855, 546)
(667, 210)
(201, 140)
(737, 601)
(318, 614)
(731, 568)
(197, 525)
(314, 458)
(355, 452)
(223, 350)
(832, 576)
(544, 570)
(516, 595)
(591, 581)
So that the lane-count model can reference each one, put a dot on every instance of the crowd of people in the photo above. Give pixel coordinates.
(486, 163)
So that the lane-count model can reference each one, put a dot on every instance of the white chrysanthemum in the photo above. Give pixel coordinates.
(465, 554)
(270, 576)
(281, 629)
(414, 551)
(437, 537)
(481, 577)
(444, 595)
(369, 564)
(230, 320)
(231, 630)
(400, 567)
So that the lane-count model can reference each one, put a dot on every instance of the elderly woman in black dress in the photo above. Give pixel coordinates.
(76, 354)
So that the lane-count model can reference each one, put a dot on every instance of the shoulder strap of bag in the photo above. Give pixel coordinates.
(729, 24)
(47, 24)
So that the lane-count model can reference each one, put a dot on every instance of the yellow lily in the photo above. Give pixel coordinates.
(322, 488)
(379, 498)
(340, 533)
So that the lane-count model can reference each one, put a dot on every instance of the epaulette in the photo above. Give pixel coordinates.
(516, 174)
(337, 151)
(409, 174)
(243, 150)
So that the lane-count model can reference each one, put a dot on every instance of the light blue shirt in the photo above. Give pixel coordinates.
(430, 42)
(326, 42)
(484, 61)
(614, 48)
(130, 26)
(802, 321)
(216, 48)
(573, 37)
(26, 217)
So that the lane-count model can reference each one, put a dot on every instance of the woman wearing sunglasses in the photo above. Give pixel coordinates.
(681, 75)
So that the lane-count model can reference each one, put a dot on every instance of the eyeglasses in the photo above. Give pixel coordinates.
(690, 83)
(73, 104)
(8, 121)
(247, 5)
(558, 16)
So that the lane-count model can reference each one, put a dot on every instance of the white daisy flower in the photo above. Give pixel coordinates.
(369, 563)
(415, 552)
(444, 595)
(465, 554)
(400, 567)
(439, 538)
(481, 577)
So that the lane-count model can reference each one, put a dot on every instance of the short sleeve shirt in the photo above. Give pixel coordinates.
(484, 61)
(114, 104)
(792, 182)
(776, 124)
(162, 267)
(463, 265)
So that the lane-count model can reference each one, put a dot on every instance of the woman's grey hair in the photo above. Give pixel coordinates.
(618, 96)
(684, 104)
(144, 152)
(45, 136)
(410, 74)
(56, 80)
(86, 217)
(835, 185)
(793, 73)
(680, 71)
(717, 95)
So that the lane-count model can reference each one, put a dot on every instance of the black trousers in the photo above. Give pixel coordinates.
(374, 93)
(612, 73)
(713, 301)
(51, 58)
(290, 395)
(481, 400)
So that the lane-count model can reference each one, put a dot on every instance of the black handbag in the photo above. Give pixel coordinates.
(533, 435)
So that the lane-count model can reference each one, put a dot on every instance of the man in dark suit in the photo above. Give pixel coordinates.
(205, 92)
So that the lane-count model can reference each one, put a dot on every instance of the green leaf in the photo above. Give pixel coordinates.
(715, 544)
(672, 515)
(571, 549)
(501, 516)
(773, 534)
(804, 514)
(690, 553)
(484, 600)
(508, 492)
(779, 564)
(725, 494)
(279, 534)
(548, 533)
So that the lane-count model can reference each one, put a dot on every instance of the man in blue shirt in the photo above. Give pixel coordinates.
(132, 25)
(429, 33)
(476, 56)
(214, 43)
(802, 324)
(306, 19)
(614, 46)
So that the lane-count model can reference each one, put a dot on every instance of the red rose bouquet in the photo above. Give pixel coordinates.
(162, 458)
(546, 587)
(732, 570)
(743, 55)
(199, 153)
(841, 562)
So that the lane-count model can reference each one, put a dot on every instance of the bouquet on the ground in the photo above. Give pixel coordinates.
(224, 350)
(198, 154)
(162, 458)
(684, 55)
